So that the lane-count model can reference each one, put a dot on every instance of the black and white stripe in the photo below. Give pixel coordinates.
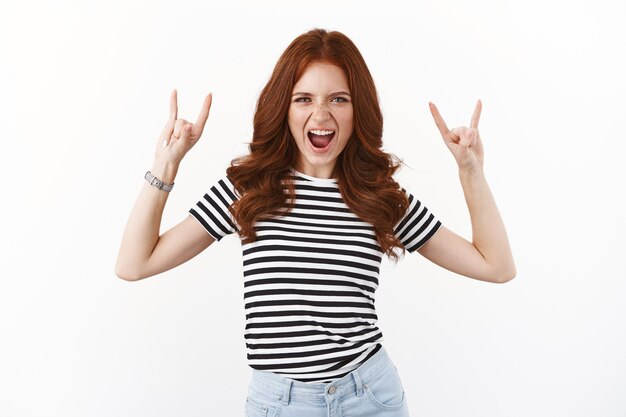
(310, 278)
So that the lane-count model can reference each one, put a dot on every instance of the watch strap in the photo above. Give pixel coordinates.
(155, 182)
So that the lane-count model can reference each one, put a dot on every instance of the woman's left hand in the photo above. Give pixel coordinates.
(463, 142)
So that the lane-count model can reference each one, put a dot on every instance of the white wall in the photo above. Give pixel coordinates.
(84, 95)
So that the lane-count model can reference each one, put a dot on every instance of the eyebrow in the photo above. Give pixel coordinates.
(331, 94)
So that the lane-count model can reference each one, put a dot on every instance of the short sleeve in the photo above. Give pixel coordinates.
(212, 209)
(417, 226)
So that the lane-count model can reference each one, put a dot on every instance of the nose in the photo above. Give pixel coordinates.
(320, 112)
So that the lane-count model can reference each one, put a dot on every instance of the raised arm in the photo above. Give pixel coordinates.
(488, 257)
(143, 252)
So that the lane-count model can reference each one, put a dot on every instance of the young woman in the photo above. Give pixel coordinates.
(316, 207)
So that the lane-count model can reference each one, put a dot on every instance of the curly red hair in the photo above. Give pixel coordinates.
(363, 170)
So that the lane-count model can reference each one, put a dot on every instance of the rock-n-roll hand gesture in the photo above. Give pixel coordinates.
(179, 135)
(463, 142)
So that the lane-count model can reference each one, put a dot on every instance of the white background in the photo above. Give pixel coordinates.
(84, 95)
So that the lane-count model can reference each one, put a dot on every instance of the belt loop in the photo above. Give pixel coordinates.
(358, 382)
(284, 398)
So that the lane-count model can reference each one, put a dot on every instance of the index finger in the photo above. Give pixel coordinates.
(476, 115)
(204, 113)
(173, 105)
(443, 128)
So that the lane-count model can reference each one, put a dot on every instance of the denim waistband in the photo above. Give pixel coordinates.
(269, 384)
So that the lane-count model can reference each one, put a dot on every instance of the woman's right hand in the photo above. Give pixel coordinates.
(179, 135)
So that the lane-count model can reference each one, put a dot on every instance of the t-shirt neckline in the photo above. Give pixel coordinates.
(315, 179)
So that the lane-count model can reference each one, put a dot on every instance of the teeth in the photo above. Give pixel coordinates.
(322, 132)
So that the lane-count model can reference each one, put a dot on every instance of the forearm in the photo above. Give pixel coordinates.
(488, 231)
(142, 229)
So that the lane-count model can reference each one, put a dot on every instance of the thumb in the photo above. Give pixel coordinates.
(184, 134)
(466, 138)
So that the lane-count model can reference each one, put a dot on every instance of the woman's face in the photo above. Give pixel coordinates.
(320, 118)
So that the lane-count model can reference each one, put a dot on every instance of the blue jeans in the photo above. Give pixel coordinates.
(373, 389)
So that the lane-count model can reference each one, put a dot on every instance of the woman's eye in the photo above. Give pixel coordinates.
(335, 99)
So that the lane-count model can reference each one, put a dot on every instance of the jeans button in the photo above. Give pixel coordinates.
(332, 390)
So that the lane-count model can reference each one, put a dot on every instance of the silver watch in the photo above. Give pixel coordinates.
(154, 181)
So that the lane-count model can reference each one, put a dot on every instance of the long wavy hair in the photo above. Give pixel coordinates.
(363, 171)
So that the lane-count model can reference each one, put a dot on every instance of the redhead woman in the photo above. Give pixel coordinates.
(316, 207)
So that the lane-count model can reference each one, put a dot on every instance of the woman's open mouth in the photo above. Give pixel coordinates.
(320, 139)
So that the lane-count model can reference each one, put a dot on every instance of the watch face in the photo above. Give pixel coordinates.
(154, 181)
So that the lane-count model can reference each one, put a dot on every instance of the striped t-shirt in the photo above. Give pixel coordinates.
(310, 278)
